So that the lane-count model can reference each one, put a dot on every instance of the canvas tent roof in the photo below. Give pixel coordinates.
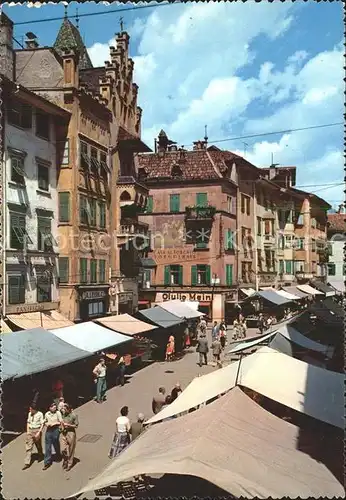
(294, 336)
(34, 351)
(287, 295)
(248, 291)
(334, 307)
(272, 297)
(295, 291)
(160, 317)
(90, 337)
(243, 346)
(255, 455)
(48, 320)
(124, 323)
(322, 287)
(180, 309)
(309, 289)
(308, 389)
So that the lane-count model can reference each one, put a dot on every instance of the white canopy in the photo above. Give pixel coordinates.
(306, 388)
(233, 443)
(251, 343)
(309, 289)
(296, 337)
(248, 291)
(90, 336)
(180, 309)
(287, 295)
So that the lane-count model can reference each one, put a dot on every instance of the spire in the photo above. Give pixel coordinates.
(70, 38)
(65, 7)
(121, 22)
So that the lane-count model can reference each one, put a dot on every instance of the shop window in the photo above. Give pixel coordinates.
(93, 271)
(42, 124)
(331, 269)
(17, 170)
(64, 207)
(102, 214)
(174, 203)
(43, 177)
(174, 275)
(83, 270)
(18, 235)
(202, 199)
(96, 308)
(64, 269)
(16, 289)
(200, 274)
(45, 240)
(102, 271)
(44, 288)
(229, 274)
(19, 114)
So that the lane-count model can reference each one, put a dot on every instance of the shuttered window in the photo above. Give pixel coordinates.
(200, 274)
(64, 265)
(281, 267)
(102, 271)
(16, 289)
(64, 207)
(44, 288)
(229, 274)
(173, 275)
(102, 214)
(202, 199)
(288, 267)
(18, 235)
(83, 270)
(93, 214)
(150, 205)
(229, 243)
(93, 271)
(44, 234)
(83, 210)
(174, 203)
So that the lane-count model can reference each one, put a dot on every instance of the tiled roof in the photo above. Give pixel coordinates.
(70, 38)
(337, 222)
(193, 165)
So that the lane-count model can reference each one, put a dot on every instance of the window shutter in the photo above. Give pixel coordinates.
(150, 204)
(281, 267)
(64, 207)
(229, 274)
(167, 276)
(208, 274)
(193, 275)
(180, 275)
(174, 203)
(64, 269)
(202, 199)
(288, 267)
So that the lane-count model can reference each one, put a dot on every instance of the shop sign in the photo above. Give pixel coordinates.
(93, 295)
(123, 298)
(29, 308)
(175, 255)
(193, 296)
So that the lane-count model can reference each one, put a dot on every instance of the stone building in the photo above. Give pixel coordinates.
(336, 245)
(103, 134)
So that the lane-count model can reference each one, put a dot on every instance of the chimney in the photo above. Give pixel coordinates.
(199, 145)
(272, 171)
(162, 142)
(172, 147)
(341, 209)
(31, 40)
(70, 65)
(6, 47)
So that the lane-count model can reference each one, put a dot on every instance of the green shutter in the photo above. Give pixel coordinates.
(150, 204)
(167, 277)
(63, 269)
(281, 267)
(202, 199)
(64, 207)
(208, 274)
(102, 215)
(92, 205)
(83, 266)
(229, 245)
(288, 266)
(229, 274)
(102, 271)
(93, 271)
(193, 275)
(174, 203)
(180, 275)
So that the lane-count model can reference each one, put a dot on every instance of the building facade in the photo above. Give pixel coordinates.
(105, 122)
(32, 129)
(336, 267)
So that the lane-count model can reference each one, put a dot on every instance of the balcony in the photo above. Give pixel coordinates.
(266, 277)
(269, 241)
(196, 213)
(129, 227)
(132, 192)
(302, 275)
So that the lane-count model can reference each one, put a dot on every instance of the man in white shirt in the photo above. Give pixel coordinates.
(53, 422)
(101, 386)
(33, 434)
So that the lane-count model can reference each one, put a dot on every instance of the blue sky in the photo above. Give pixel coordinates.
(240, 68)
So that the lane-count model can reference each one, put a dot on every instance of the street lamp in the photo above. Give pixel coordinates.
(214, 281)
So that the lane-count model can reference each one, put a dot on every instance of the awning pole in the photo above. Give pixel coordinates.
(236, 379)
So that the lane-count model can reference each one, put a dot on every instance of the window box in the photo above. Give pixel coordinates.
(42, 125)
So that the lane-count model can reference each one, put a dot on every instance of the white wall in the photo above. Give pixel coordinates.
(27, 142)
(337, 244)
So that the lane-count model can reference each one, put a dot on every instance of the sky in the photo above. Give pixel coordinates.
(242, 69)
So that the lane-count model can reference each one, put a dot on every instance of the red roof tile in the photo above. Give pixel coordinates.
(337, 222)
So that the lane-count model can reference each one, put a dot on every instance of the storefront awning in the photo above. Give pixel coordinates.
(4, 327)
(322, 287)
(339, 286)
(243, 346)
(34, 351)
(90, 336)
(124, 323)
(273, 297)
(160, 317)
(248, 291)
(308, 389)
(295, 291)
(309, 290)
(288, 295)
(180, 309)
(252, 441)
(295, 337)
(48, 320)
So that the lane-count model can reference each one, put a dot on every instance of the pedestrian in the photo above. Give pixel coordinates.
(187, 340)
(52, 422)
(168, 400)
(176, 391)
(121, 437)
(68, 436)
(203, 349)
(216, 348)
(242, 328)
(121, 370)
(223, 330)
(170, 348)
(61, 404)
(203, 325)
(158, 401)
(215, 330)
(260, 323)
(137, 427)
(235, 329)
(33, 434)
(101, 385)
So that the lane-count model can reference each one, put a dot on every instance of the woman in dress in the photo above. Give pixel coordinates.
(170, 349)
(121, 437)
(223, 334)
